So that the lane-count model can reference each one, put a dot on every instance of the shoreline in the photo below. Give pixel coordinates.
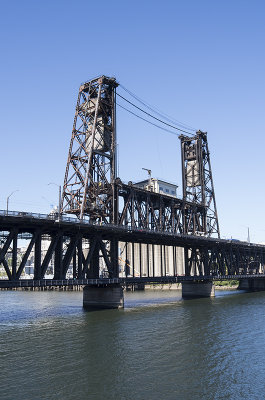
(177, 286)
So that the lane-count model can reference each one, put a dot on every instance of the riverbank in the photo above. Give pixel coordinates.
(225, 285)
(222, 285)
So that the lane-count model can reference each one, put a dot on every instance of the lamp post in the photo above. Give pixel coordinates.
(7, 200)
(248, 237)
(149, 176)
(59, 208)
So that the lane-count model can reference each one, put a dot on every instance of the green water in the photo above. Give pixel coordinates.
(158, 347)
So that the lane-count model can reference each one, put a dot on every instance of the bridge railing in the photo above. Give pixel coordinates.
(62, 218)
(51, 216)
(31, 283)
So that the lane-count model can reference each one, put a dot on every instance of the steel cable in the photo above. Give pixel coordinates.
(160, 113)
(152, 123)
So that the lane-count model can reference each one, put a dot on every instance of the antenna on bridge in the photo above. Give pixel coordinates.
(197, 183)
(91, 166)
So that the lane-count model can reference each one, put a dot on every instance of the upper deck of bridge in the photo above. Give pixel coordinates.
(50, 223)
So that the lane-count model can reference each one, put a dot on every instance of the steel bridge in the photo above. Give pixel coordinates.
(205, 258)
(120, 233)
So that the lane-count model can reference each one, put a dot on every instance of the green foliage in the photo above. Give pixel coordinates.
(227, 283)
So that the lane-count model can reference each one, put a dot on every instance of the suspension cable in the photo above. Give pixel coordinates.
(157, 111)
(152, 123)
(150, 115)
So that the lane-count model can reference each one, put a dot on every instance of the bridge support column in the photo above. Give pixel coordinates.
(139, 286)
(194, 289)
(252, 285)
(103, 297)
(243, 284)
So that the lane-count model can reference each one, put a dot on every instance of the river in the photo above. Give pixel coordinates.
(158, 347)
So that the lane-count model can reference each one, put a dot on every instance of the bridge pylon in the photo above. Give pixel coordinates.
(91, 166)
(198, 188)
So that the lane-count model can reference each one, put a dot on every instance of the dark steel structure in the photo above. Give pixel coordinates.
(83, 245)
(92, 190)
(198, 188)
(109, 211)
(143, 209)
(91, 166)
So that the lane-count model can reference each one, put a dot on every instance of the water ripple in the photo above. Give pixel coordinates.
(159, 347)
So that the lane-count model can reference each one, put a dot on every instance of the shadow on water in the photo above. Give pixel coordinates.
(156, 298)
(168, 297)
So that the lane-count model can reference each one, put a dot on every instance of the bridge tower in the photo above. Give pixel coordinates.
(88, 189)
(197, 182)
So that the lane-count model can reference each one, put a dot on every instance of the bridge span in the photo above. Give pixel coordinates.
(124, 233)
(81, 253)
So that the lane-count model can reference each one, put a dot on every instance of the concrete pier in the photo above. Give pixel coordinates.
(252, 285)
(195, 289)
(139, 286)
(103, 297)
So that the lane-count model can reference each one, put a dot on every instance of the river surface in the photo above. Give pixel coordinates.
(158, 347)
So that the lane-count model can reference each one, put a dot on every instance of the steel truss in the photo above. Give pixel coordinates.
(197, 182)
(91, 169)
(92, 190)
(222, 259)
(64, 248)
(139, 208)
(85, 247)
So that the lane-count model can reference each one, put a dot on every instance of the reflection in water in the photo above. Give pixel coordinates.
(158, 347)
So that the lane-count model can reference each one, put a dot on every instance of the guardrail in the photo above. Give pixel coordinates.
(63, 219)
(31, 283)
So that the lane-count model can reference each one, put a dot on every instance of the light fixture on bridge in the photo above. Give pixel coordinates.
(60, 191)
(7, 200)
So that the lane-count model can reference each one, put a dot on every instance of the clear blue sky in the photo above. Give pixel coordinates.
(202, 62)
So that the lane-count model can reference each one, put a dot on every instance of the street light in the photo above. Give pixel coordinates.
(248, 238)
(149, 176)
(59, 208)
(7, 200)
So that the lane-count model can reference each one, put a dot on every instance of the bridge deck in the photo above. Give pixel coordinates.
(31, 283)
(27, 222)
(205, 258)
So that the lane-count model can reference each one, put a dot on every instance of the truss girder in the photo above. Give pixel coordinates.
(84, 248)
(223, 260)
(143, 209)
(71, 251)
(197, 182)
(91, 171)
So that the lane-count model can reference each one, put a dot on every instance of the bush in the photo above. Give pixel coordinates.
(226, 283)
